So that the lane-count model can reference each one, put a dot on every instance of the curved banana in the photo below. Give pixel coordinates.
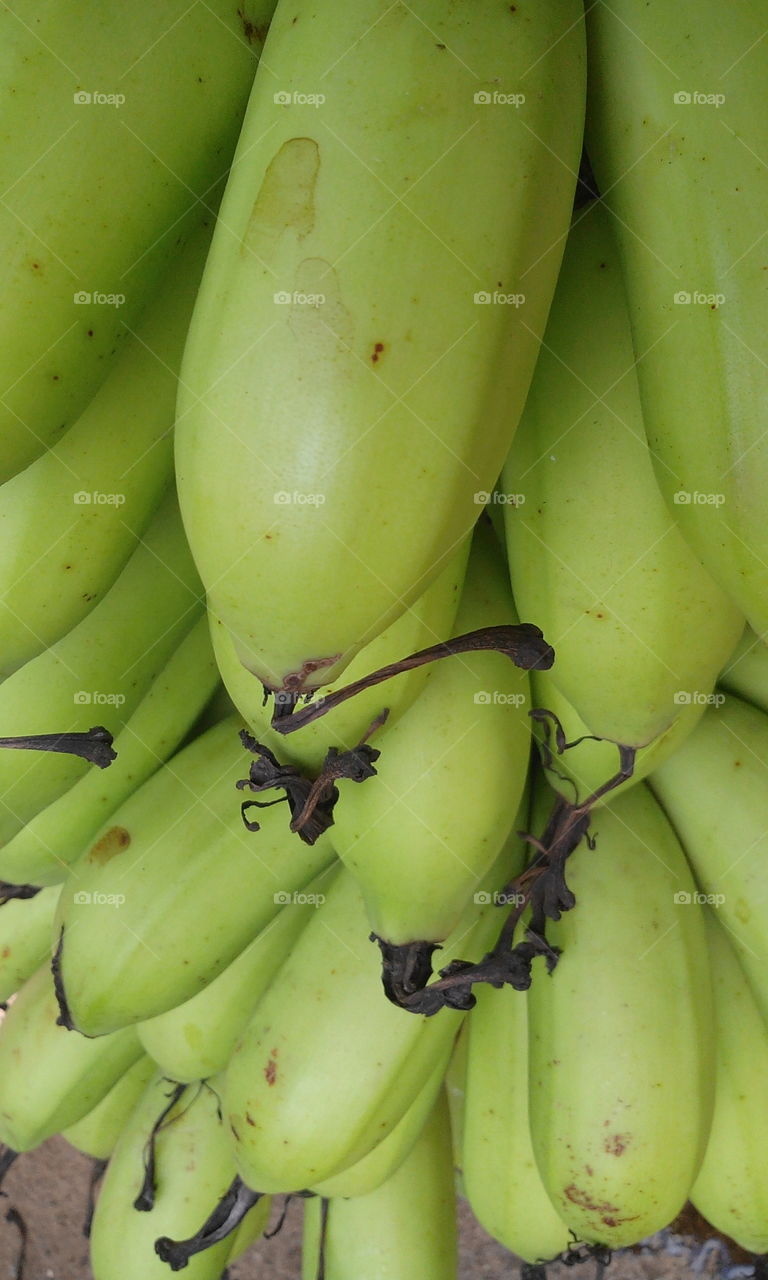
(431, 618)
(731, 1189)
(325, 1043)
(99, 671)
(195, 1039)
(746, 671)
(70, 521)
(639, 627)
(500, 1177)
(43, 851)
(421, 835)
(406, 1228)
(166, 91)
(675, 139)
(26, 930)
(361, 304)
(173, 889)
(193, 1169)
(714, 792)
(621, 1054)
(97, 1134)
(50, 1077)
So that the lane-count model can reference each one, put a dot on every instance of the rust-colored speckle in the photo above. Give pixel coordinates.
(6, 951)
(270, 1071)
(378, 347)
(253, 32)
(111, 843)
(616, 1144)
(250, 1120)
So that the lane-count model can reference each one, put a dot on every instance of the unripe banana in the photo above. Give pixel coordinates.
(327, 1067)
(731, 1189)
(678, 146)
(97, 1134)
(746, 671)
(26, 930)
(406, 1228)
(621, 1052)
(193, 1169)
(195, 1040)
(500, 1177)
(639, 627)
(430, 619)
(51, 841)
(192, 889)
(375, 217)
(70, 521)
(421, 835)
(50, 1077)
(165, 91)
(714, 792)
(100, 671)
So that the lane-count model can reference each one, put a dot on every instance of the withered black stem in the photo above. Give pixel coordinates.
(65, 1016)
(236, 1202)
(145, 1200)
(9, 892)
(7, 1158)
(95, 745)
(12, 1215)
(98, 1169)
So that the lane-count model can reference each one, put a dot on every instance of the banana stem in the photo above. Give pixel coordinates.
(95, 745)
(8, 892)
(7, 1157)
(236, 1202)
(145, 1200)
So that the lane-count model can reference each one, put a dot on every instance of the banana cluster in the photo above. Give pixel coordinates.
(352, 444)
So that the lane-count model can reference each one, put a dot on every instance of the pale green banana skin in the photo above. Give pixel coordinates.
(455, 1086)
(97, 1134)
(185, 75)
(198, 888)
(50, 1077)
(731, 1190)
(324, 1043)
(621, 1053)
(421, 835)
(47, 846)
(746, 672)
(404, 1229)
(195, 1040)
(60, 556)
(117, 650)
(500, 1177)
(713, 791)
(595, 557)
(26, 926)
(372, 201)
(194, 1168)
(688, 186)
(429, 620)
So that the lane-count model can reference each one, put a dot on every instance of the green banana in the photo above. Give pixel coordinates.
(500, 1177)
(430, 619)
(97, 1134)
(620, 1036)
(50, 1077)
(192, 889)
(45, 848)
(193, 1169)
(165, 91)
(324, 1043)
(678, 145)
(397, 215)
(731, 1189)
(195, 1040)
(639, 627)
(406, 1228)
(714, 792)
(26, 926)
(99, 671)
(746, 672)
(70, 521)
(421, 835)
